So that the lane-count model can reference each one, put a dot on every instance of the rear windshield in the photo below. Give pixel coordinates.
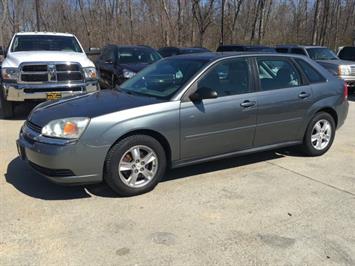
(321, 54)
(136, 55)
(45, 43)
(347, 53)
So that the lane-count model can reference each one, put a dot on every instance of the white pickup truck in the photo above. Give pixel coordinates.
(44, 66)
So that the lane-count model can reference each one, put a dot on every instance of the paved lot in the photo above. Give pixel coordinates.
(274, 208)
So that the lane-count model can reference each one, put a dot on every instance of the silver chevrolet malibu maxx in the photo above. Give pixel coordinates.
(184, 110)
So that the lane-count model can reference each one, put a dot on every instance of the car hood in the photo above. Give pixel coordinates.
(87, 105)
(134, 67)
(335, 62)
(16, 58)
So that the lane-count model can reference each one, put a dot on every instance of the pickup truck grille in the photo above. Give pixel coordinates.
(51, 72)
(352, 72)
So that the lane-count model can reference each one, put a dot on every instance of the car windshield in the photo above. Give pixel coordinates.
(321, 54)
(164, 78)
(136, 55)
(45, 43)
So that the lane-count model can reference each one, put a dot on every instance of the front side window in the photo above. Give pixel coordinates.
(277, 74)
(108, 54)
(163, 78)
(45, 43)
(227, 78)
(321, 54)
(137, 55)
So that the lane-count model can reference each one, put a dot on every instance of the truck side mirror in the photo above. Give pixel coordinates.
(93, 51)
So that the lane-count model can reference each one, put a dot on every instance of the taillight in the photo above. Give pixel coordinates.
(346, 91)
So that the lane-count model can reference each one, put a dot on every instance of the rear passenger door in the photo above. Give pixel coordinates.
(283, 100)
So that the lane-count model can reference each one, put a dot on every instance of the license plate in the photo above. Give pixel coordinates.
(54, 95)
(21, 152)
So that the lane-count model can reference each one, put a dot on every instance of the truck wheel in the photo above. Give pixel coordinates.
(6, 106)
(135, 165)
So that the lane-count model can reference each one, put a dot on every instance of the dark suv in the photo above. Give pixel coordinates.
(119, 63)
(325, 57)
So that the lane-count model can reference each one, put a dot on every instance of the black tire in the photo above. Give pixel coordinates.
(307, 147)
(111, 175)
(6, 106)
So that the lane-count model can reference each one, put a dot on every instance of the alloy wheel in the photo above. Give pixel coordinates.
(138, 166)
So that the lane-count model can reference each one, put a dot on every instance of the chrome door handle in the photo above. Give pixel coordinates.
(304, 95)
(247, 103)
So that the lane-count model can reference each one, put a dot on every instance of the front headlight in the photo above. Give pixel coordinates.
(68, 128)
(344, 70)
(127, 74)
(90, 73)
(10, 74)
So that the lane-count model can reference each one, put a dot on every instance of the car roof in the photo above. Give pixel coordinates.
(244, 45)
(45, 33)
(298, 46)
(212, 56)
(130, 46)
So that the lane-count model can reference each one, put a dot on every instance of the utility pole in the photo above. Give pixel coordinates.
(222, 23)
(37, 15)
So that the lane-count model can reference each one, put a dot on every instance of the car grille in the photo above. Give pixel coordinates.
(34, 127)
(56, 89)
(51, 172)
(47, 72)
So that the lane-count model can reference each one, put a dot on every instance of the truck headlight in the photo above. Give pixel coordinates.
(344, 70)
(67, 128)
(127, 74)
(10, 74)
(90, 73)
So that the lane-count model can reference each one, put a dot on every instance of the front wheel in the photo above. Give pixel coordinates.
(135, 165)
(6, 106)
(319, 135)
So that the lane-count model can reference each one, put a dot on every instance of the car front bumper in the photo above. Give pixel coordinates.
(62, 162)
(21, 92)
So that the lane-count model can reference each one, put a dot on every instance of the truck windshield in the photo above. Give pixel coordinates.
(45, 43)
(321, 54)
(163, 78)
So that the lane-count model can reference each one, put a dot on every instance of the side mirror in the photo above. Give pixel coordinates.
(93, 51)
(203, 93)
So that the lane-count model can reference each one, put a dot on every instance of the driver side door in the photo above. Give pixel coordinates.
(224, 124)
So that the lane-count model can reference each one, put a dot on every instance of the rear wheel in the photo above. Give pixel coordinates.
(135, 165)
(6, 106)
(319, 135)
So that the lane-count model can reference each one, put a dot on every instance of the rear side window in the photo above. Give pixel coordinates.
(298, 51)
(282, 50)
(277, 74)
(312, 74)
(347, 53)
